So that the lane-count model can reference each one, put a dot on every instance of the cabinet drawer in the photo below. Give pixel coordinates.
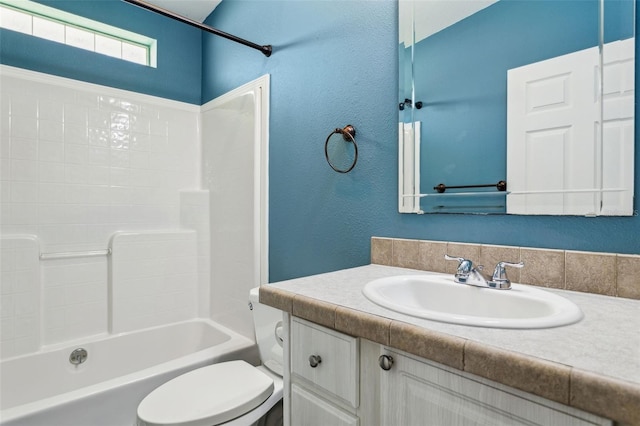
(337, 371)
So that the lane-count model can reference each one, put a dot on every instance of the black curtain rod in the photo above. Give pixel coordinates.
(266, 49)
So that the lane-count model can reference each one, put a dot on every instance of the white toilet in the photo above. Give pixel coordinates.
(233, 393)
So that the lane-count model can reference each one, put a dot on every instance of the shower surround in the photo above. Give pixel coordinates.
(110, 245)
(80, 162)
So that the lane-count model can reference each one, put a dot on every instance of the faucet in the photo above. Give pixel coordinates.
(467, 274)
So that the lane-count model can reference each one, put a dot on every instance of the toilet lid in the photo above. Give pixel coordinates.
(206, 396)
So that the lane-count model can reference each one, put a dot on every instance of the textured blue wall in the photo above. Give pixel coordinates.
(177, 76)
(335, 62)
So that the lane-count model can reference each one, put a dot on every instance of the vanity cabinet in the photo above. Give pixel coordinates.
(418, 392)
(335, 379)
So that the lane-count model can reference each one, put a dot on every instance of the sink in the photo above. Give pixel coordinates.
(437, 297)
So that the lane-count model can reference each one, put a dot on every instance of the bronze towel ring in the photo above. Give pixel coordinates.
(348, 134)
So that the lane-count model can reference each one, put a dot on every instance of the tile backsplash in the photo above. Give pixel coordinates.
(609, 274)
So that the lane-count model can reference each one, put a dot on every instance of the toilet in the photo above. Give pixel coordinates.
(233, 393)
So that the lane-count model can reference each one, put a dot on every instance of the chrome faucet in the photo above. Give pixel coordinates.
(467, 274)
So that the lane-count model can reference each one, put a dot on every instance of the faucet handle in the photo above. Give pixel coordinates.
(500, 273)
(464, 265)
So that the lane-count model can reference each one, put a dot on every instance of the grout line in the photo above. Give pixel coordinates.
(570, 387)
(615, 275)
(564, 261)
(464, 354)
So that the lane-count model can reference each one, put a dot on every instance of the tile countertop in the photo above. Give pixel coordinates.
(593, 365)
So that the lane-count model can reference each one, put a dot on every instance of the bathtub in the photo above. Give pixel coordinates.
(45, 388)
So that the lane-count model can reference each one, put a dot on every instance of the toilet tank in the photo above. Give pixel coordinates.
(267, 322)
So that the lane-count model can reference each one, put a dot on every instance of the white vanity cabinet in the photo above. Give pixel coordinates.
(418, 392)
(335, 379)
(324, 371)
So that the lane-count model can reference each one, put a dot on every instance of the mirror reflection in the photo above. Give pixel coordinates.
(512, 90)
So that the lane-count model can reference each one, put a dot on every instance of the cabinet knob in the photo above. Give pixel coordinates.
(386, 362)
(314, 360)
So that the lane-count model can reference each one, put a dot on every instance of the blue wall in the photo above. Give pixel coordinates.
(335, 62)
(179, 52)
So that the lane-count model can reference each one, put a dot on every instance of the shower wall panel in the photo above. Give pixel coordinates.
(79, 162)
(235, 171)
(20, 295)
(154, 277)
(228, 154)
(194, 214)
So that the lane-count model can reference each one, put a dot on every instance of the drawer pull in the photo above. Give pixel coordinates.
(314, 360)
(386, 362)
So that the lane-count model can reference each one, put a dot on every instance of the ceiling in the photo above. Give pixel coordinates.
(198, 10)
(427, 17)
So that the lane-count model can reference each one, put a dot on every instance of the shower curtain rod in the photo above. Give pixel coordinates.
(266, 49)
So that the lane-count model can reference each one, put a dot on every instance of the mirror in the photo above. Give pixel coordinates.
(511, 91)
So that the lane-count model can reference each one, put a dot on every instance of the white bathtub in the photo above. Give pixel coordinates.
(44, 388)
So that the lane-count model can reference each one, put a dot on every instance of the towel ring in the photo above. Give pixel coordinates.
(348, 134)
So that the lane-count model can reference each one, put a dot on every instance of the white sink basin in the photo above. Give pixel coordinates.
(439, 298)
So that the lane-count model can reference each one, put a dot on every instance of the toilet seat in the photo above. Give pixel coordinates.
(206, 396)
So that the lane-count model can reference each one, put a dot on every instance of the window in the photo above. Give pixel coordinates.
(38, 20)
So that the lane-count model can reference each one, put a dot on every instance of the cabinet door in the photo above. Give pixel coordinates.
(308, 409)
(418, 393)
(337, 372)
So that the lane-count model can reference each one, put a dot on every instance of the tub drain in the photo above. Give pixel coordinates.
(78, 356)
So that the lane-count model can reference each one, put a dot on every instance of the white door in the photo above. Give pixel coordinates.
(559, 158)
(552, 135)
(618, 130)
